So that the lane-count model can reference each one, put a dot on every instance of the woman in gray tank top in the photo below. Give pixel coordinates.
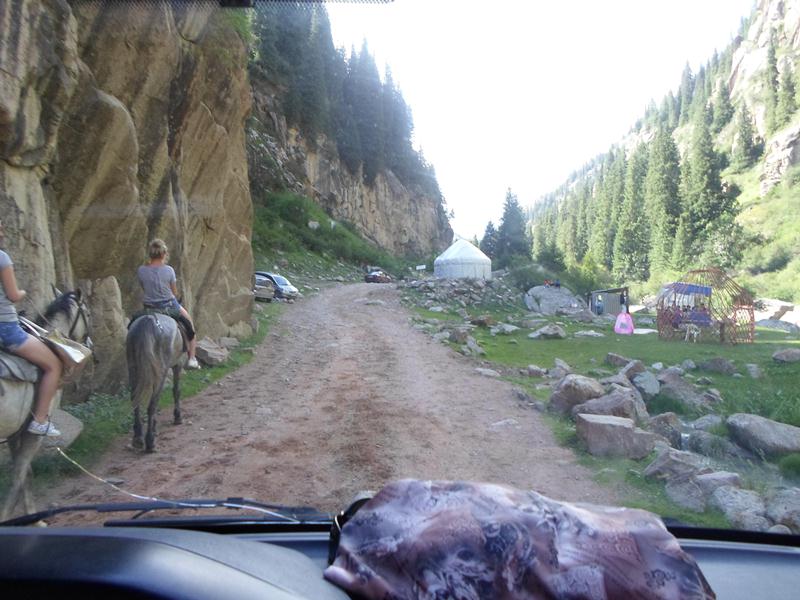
(16, 341)
(161, 289)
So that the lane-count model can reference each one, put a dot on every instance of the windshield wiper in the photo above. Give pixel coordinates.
(269, 512)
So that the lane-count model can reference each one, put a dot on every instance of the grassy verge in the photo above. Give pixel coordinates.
(105, 417)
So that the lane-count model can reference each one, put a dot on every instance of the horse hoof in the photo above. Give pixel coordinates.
(137, 444)
(150, 449)
(178, 421)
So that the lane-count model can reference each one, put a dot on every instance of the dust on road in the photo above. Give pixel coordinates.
(343, 395)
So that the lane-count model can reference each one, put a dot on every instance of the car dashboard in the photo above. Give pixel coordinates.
(152, 562)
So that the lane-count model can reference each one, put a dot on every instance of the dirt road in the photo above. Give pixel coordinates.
(343, 396)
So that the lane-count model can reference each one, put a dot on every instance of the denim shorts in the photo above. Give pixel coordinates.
(171, 303)
(11, 335)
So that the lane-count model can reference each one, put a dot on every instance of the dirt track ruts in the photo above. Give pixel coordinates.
(342, 396)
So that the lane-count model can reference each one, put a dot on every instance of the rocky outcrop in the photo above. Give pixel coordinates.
(782, 152)
(787, 355)
(613, 436)
(764, 436)
(121, 122)
(547, 300)
(397, 217)
(574, 390)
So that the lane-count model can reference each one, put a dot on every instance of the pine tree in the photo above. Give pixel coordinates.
(631, 244)
(682, 247)
(512, 236)
(368, 106)
(685, 93)
(771, 87)
(743, 152)
(723, 109)
(786, 102)
(489, 241)
(610, 195)
(662, 201)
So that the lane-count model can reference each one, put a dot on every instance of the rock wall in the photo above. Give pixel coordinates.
(120, 122)
(400, 219)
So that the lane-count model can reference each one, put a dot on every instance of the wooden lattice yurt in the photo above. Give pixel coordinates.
(705, 306)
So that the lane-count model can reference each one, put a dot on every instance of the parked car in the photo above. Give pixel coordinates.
(263, 288)
(377, 277)
(283, 287)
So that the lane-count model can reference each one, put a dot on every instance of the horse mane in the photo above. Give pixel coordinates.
(62, 304)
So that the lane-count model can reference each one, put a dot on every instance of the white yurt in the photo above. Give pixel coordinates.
(462, 260)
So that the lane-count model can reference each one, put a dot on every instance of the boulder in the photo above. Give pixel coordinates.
(616, 360)
(573, 390)
(210, 353)
(687, 494)
(689, 395)
(779, 325)
(783, 507)
(549, 332)
(647, 384)
(619, 403)
(676, 464)
(745, 509)
(632, 369)
(787, 355)
(718, 365)
(459, 335)
(547, 300)
(483, 321)
(670, 372)
(563, 365)
(667, 425)
(782, 529)
(532, 323)
(715, 446)
(588, 333)
(473, 347)
(557, 374)
(764, 436)
(709, 482)
(487, 372)
(613, 436)
(536, 371)
(70, 426)
(229, 342)
(584, 316)
(688, 365)
(657, 366)
(503, 329)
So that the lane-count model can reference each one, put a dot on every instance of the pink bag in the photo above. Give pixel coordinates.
(624, 324)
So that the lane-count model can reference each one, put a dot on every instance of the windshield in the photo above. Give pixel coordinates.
(587, 226)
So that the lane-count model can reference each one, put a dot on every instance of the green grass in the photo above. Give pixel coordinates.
(790, 466)
(105, 417)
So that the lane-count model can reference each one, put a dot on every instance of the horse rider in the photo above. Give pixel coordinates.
(15, 340)
(161, 289)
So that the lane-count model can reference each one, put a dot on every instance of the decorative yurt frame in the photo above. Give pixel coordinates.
(720, 310)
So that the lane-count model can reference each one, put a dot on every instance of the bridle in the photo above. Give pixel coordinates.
(80, 316)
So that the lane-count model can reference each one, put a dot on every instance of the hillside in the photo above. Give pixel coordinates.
(707, 176)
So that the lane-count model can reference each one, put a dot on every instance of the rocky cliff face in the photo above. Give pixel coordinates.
(400, 219)
(120, 122)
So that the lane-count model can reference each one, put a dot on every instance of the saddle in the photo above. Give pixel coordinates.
(17, 368)
(184, 325)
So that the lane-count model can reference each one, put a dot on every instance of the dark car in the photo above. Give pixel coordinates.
(283, 287)
(377, 277)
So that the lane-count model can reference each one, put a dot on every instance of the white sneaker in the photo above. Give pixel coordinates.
(192, 364)
(47, 429)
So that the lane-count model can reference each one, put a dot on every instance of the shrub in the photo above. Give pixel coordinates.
(790, 466)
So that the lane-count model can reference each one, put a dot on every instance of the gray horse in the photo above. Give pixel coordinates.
(70, 316)
(154, 345)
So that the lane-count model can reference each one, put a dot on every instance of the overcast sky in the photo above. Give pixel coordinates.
(519, 93)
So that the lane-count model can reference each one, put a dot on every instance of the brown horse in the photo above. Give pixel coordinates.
(69, 316)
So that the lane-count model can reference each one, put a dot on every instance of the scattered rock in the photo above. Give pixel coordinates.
(547, 300)
(229, 342)
(459, 335)
(617, 379)
(505, 423)
(688, 365)
(709, 482)
(783, 507)
(613, 436)
(671, 371)
(718, 365)
(622, 402)
(557, 374)
(549, 332)
(487, 372)
(536, 371)
(788, 355)
(560, 364)
(667, 425)
(442, 336)
(657, 366)
(382, 303)
(780, 325)
(573, 390)
(632, 369)
(706, 422)
(589, 333)
(210, 353)
(615, 360)
(473, 347)
(647, 384)
(782, 529)
(715, 446)
(70, 426)
(436, 309)
(687, 494)
(743, 508)
(689, 395)
(532, 323)
(503, 329)
(483, 321)
(764, 436)
(676, 464)
(704, 381)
